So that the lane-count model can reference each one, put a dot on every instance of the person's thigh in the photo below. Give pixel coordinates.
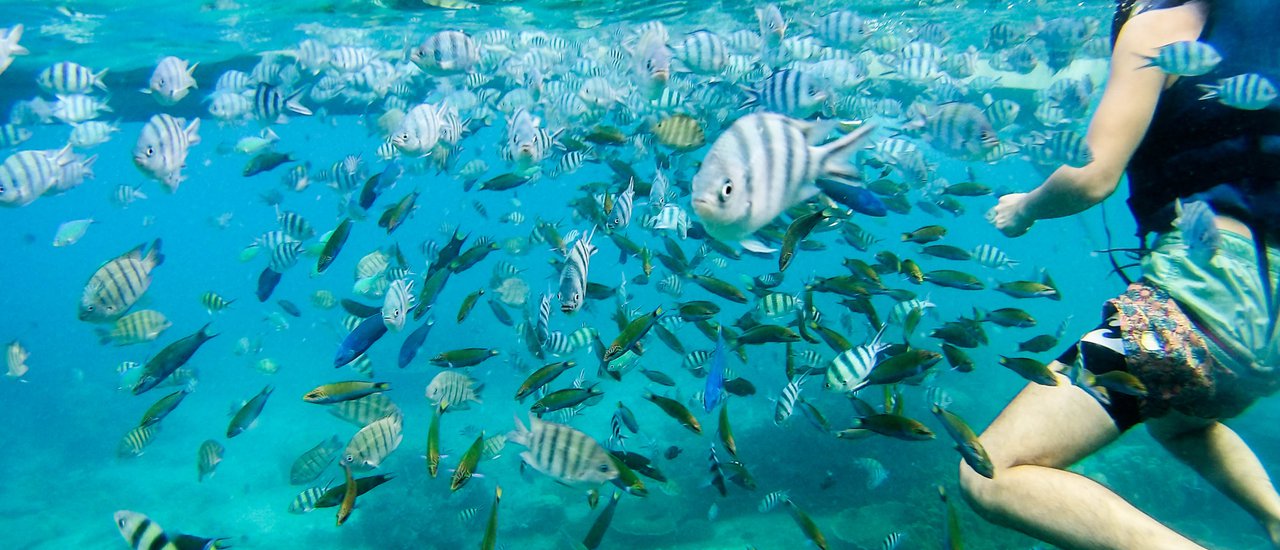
(1052, 426)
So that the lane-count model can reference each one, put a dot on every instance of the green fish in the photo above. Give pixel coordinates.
(896, 426)
(433, 440)
(1029, 289)
(967, 189)
(606, 135)
(169, 359)
(542, 377)
(265, 162)
(333, 245)
(726, 431)
(925, 235)
(902, 366)
(1121, 382)
(163, 407)
(472, 256)
(465, 357)
(834, 339)
(796, 232)
(490, 540)
(397, 213)
(333, 496)
(627, 478)
(957, 358)
(601, 525)
(467, 304)
(247, 414)
(947, 252)
(951, 538)
(467, 464)
(1010, 317)
(951, 278)
(504, 182)
(676, 410)
(1030, 369)
(1039, 344)
(563, 399)
(966, 442)
(631, 335)
(719, 288)
(431, 287)
(807, 525)
(697, 310)
(763, 334)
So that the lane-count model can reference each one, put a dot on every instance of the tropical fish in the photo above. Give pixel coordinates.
(119, 283)
(343, 391)
(171, 81)
(248, 414)
(207, 458)
(161, 150)
(170, 359)
(163, 407)
(676, 411)
(374, 442)
(454, 388)
(16, 360)
(311, 463)
(739, 187)
(563, 453)
(71, 232)
(136, 441)
(467, 464)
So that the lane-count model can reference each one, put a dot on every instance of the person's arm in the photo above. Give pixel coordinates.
(1117, 127)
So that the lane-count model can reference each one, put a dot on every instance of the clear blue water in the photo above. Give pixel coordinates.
(63, 421)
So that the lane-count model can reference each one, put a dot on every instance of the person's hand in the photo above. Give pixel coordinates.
(1008, 217)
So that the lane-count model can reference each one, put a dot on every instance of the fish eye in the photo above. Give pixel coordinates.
(604, 467)
(150, 151)
(349, 458)
(727, 189)
(121, 523)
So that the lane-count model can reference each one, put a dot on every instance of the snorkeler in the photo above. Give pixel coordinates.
(1197, 329)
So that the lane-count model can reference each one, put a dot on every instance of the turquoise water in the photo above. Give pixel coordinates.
(65, 418)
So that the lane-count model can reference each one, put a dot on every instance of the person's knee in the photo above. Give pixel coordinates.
(975, 488)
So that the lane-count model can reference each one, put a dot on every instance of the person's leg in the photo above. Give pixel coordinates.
(1219, 455)
(1040, 433)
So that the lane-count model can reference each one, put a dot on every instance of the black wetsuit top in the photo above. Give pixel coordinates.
(1193, 146)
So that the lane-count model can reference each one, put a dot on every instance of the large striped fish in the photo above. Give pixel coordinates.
(568, 455)
(622, 207)
(374, 442)
(143, 534)
(573, 278)
(310, 464)
(763, 165)
(26, 175)
(118, 284)
(453, 388)
(849, 370)
(396, 305)
(161, 151)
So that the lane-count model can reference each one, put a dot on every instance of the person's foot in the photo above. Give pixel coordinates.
(1273, 531)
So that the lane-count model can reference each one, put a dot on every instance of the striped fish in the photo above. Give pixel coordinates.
(671, 218)
(310, 464)
(1185, 58)
(70, 78)
(557, 344)
(843, 29)
(269, 104)
(26, 175)
(760, 167)
(294, 225)
(849, 370)
(118, 284)
(573, 277)
(493, 446)
(214, 303)
(306, 500)
(171, 81)
(455, 388)
(543, 327)
(161, 150)
(658, 191)
(892, 541)
(992, 257)
(702, 52)
(622, 206)
(696, 359)
(141, 533)
(85, 135)
(582, 338)
(1250, 91)
(374, 442)
(772, 501)
(399, 300)
(363, 365)
(365, 410)
(135, 328)
(776, 305)
(285, 255)
(207, 458)
(671, 285)
(16, 360)
(467, 515)
(13, 135)
(136, 441)
(786, 404)
(876, 474)
(789, 92)
(446, 52)
(566, 454)
(419, 130)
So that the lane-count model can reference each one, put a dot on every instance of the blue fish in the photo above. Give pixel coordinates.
(713, 394)
(360, 339)
(860, 199)
(1195, 220)
(409, 349)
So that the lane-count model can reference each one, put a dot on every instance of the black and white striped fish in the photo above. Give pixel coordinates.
(134, 442)
(446, 52)
(374, 442)
(269, 104)
(786, 404)
(141, 533)
(702, 52)
(26, 175)
(849, 370)
(455, 388)
(761, 166)
(573, 277)
(557, 344)
(876, 474)
(790, 92)
(992, 257)
(119, 283)
(419, 130)
(70, 78)
(892, 541)
(161, 150)
(294, 225)
(671, 218)
(285, 255)
(306, 500)
(622, 206)
(397, 303)
(566, 454)
(772, 501)
(171, 81)
(671, 285)
(843, 29)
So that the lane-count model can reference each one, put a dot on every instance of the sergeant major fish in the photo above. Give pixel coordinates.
(118, 284)
(161, 150)
(763, 165)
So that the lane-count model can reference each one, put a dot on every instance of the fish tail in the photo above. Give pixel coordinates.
(155, 257)
(835, 156)
(104, 336)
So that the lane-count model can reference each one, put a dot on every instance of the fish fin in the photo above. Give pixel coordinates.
(753, 245)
